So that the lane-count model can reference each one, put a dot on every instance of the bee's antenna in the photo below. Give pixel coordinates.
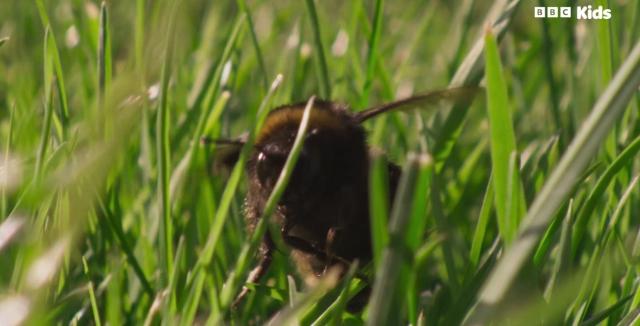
(204, 140)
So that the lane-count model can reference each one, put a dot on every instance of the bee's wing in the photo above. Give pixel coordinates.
(227, 151)
(428, 100)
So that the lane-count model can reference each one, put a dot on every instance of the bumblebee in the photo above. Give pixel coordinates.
(323, 215)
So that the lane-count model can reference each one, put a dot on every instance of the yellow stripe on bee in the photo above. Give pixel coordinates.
(288, 116)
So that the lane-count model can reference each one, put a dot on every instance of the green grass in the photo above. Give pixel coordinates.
(506, 181)
(522, 208)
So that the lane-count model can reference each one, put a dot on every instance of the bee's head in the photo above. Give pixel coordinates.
(269, 158)
(332, 137)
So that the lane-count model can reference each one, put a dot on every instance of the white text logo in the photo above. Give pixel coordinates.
(582, 12)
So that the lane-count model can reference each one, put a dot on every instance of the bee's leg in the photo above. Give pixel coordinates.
(330, 241)
(266, 255)
(295, 242)
(287, 225)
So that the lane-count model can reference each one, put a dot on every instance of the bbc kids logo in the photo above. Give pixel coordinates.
(581, 12)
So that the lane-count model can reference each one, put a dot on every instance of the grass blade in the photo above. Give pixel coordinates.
(4, 181)
(372, 55)
(503, 141)
(320, 60)
(605, 62)
(564, 255)
(615, 216)
(139, 36)
(290, 316)
(631, 319)
(126, 247)
(163, 148)
(379, 206)
(333, 314)
(104, 54)
(481, 226)
(595, 320)
(92, 296)
(48, 107)
(62, 93)
(170, 309)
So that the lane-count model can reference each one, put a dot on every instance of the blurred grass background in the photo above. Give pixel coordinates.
(110, 212)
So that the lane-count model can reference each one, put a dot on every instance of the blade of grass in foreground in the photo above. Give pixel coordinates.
(39, 275)
(584, 146)
(232, 284)
(503, 141)
(404, 229)
(81, 177)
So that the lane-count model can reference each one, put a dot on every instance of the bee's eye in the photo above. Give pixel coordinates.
(313, 133)
(268, 168)
(261, 157)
